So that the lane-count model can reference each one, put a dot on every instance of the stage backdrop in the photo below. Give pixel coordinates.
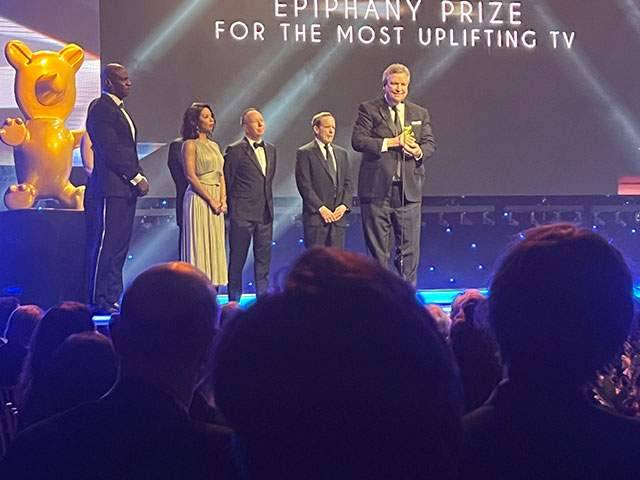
(535, 97)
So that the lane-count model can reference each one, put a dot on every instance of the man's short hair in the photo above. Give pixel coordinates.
(561, 303)
(393, 69)
(245, 112)
(169, 310)
(22, 322)
(315, 120)
(344, 360)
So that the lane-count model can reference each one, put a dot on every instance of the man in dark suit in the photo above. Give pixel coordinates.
(174, 162)
(323, 177)
(249, 168)
(395, 138)
(112, 190)
(141, 428)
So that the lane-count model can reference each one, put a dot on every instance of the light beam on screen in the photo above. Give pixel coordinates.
(146, 252)
(253, 78)
(631, 8)
(621, 119)
(428, 71)
(292, 98)
(168, 32)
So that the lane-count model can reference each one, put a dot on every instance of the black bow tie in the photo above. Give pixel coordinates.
(258, 144)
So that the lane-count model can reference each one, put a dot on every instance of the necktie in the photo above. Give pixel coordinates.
(396, 120)
(258, 144)
(331, 162)
(398, 126)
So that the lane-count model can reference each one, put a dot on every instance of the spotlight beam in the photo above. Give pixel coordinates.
(618, 117)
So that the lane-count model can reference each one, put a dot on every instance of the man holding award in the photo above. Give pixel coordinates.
(395, 138)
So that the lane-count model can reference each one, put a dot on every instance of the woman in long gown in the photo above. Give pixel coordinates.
(205, 201)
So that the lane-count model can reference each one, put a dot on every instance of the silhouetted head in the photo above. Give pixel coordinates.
(7, 306)
(167, 318)
(82, 369)
(55, 326)
(442, 319)
(465, 303)
(561, 305)
(22, 323)
(342, 375)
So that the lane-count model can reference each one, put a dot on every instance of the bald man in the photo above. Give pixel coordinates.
(249, 169)
(115, 184)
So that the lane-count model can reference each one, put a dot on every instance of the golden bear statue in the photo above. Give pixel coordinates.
(45, 91)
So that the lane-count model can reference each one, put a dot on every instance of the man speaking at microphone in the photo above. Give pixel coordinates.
(395, 138)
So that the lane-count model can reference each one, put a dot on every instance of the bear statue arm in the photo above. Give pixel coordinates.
(14, 132)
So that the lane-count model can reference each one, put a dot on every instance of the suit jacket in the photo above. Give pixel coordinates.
(249, 192)
(526, 433)
(374, 123)
(316, 186)
(115, 156)
(135, 431)
(174, 162)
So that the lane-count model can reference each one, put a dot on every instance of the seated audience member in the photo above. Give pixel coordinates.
(82, 369)
(141, 428)
(561, 305)
(341, 376)
(467, 300)
(18, 333)
(13, 352)
(55, 326)
(442, 319)
(7, 306)
(475, 348)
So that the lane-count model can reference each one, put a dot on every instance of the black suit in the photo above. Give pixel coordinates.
(318, 187)
(250, 203)
(174, 162)
(110, 200)
(387, 205)
(134, 432)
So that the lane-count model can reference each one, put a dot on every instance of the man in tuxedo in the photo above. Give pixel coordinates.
(112, 190)
(323, 178)
(395, 138)
(249, 168)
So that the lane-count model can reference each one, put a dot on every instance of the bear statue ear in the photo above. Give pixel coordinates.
(17, 53)
(73, 55)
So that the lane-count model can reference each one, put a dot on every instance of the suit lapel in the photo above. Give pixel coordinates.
(386, 115)
(121, 116)
(269, 154)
